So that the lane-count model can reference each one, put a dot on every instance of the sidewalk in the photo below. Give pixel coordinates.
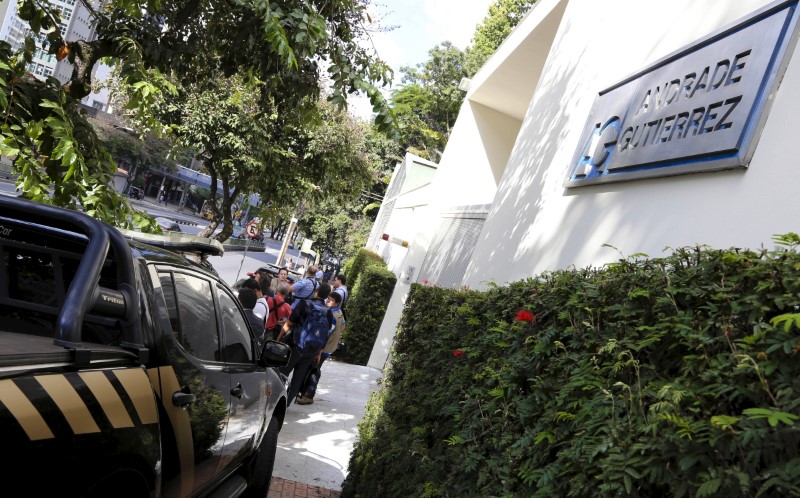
(316, 440)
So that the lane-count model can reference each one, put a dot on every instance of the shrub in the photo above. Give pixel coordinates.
(675, 376)
(363, 259)
(365, 310)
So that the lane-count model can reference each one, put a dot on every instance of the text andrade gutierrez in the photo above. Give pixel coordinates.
(699, 109)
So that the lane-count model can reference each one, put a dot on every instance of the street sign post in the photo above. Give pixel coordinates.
(251, 229)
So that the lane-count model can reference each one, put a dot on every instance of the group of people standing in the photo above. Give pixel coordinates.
(307, 314)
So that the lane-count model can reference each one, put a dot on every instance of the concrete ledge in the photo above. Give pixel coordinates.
(242, 245)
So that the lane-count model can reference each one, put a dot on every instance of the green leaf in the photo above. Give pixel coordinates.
(544, 436)
(773, 416)
(709, 488)
(788, 320)
(724, 421)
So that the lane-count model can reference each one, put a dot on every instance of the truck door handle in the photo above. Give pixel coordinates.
(237, 391)
(183, 399)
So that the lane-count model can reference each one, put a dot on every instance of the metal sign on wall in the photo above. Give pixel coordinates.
(699, 109)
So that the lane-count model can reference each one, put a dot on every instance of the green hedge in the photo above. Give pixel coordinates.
(365, 310)
(676, 376)
(363, 258)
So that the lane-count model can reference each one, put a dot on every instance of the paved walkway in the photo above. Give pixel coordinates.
(316, 440)
(281, 488)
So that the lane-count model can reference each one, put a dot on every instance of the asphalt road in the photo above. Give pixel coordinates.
(233, 265)
(7, 188)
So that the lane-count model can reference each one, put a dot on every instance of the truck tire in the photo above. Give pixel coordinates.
(260, 473)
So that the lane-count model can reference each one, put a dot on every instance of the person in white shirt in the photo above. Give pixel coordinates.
(340, 288)
(260, 309)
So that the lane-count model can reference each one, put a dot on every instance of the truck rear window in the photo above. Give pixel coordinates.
(36, 269)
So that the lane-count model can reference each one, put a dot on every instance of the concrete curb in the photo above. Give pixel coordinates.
(241, 245)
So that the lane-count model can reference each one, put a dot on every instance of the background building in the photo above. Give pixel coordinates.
(76, 24)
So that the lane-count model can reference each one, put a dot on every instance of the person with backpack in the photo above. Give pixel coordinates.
(309, 387)
(304, 288)
(279, 311)
(306, 331)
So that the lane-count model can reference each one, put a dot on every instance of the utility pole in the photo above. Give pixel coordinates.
(286, 239)
(131, 177)
(298, 211)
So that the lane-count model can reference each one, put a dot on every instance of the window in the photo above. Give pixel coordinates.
(39, 276)
(32, 277)
(237, 341)
(190, 307)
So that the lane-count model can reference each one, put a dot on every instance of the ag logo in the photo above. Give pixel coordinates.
(599, 148)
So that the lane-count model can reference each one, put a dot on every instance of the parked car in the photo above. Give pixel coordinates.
(273, 271)
(168, 225)
(136, 193)
(140, 378)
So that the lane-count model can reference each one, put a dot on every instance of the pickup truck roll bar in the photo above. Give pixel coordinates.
(82, 294)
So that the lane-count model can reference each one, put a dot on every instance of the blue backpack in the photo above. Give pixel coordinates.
(312, 334)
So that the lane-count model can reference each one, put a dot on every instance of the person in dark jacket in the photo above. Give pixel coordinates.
(302, 359)
(248, 299)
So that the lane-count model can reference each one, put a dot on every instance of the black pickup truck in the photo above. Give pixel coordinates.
(126, 369)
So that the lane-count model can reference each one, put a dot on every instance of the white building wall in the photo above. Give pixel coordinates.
(408, 191)
(472, 163)
(536, 224)
(465, 173)
(7, 8)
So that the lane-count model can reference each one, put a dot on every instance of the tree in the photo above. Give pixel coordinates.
(341, 227)
(328, 165)
(151, 152)
(230, 132)
(151, 42)
(503, 16)
(57, 154)
(427, 106)
(383, 153)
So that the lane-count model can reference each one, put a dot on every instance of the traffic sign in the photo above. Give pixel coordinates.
(251, 229)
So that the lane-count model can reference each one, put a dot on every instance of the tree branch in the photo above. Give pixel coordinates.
(88, 6)
(46, 10)
(85, 55)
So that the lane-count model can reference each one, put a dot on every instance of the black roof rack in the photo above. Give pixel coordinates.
(84, 293)
(178, 242)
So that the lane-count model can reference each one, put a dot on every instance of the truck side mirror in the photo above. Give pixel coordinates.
(275, 354)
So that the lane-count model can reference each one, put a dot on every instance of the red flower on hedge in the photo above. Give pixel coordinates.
(525, 316)
(458, 353)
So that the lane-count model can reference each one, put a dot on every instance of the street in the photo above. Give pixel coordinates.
(231, 266)
(7, 188)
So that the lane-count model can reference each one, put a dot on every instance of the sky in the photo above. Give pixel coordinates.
(420, 25)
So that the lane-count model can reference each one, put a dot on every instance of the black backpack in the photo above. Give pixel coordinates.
(312, 334)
